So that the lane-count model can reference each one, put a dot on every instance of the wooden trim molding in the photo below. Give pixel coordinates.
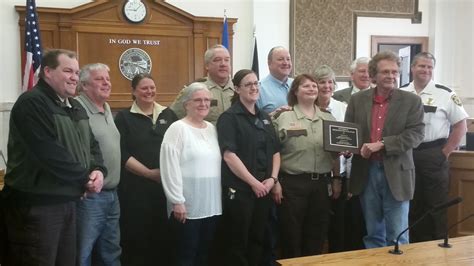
(174, 40)
(377, 40)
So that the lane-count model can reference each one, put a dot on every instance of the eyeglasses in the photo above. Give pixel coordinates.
(250, 84)
(199, 100)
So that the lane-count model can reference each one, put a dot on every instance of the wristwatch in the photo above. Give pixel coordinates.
(275, 180)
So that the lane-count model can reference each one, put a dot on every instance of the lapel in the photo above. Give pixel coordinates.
(347, 95)
(368, 99)
(393, 110)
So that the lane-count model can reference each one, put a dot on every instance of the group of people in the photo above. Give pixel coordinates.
(234, 172)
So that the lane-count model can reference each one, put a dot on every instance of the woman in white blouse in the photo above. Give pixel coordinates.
(326, 80)
(190, 163)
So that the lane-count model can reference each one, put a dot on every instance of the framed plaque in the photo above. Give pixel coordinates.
(341, 136)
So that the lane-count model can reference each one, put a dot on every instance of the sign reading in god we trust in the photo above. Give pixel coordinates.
(134, 42)
(341, 136)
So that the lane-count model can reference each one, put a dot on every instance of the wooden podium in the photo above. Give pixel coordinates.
(426, 253)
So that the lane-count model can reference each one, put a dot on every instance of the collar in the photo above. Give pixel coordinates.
(212, 83)
(428, 89)
(90, 105)
(355, 89)
(64, 101)
(331, 105)
(279, 82)
(43, 86)
(157, 109)
(300, 115)
(239, 108)
(380, 99)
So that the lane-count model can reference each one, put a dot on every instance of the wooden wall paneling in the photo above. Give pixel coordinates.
(461, 184)
(200, 47)
(174, 40)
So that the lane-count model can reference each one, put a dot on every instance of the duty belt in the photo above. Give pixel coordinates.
(312, 176)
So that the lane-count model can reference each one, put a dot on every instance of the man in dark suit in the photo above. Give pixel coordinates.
(360, 80)
(383, 173)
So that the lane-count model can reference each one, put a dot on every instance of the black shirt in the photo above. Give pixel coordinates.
(252, 138)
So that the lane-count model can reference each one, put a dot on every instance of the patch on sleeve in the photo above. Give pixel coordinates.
(456, 100)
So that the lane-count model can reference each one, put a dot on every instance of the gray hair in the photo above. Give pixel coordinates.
(209, 54)
(359, 61)
(85, 73)
(188, 92)
(324, 72)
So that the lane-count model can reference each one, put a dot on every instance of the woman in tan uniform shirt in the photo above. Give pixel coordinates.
(305, 172)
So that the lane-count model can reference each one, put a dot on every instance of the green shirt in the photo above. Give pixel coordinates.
(220, 102)
(302, 143)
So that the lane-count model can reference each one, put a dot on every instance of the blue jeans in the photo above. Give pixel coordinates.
(385, 217)
(98, 229)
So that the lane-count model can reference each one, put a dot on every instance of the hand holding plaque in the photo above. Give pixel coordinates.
(341, 136)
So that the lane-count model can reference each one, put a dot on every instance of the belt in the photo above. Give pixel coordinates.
(312, 176)
(431, 144)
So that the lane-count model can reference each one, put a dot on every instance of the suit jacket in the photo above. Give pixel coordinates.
(343, 95)
(403, 130)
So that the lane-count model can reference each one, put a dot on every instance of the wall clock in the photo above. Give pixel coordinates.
(134, 11)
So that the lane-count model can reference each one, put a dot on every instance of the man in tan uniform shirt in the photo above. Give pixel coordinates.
(217, 62)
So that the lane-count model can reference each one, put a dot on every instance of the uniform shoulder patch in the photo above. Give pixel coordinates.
(456, 100)
(443, 87)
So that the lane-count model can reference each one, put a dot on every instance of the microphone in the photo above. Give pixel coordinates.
(445, 243)
(446, 204)
(396, 250)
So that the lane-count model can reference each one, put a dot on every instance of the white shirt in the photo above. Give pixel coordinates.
(337, 109)
(190, 165)
(442, 109)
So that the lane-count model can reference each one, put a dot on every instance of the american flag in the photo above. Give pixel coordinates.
(33, 52)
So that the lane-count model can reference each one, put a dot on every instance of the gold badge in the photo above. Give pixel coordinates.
(430, 101)
(456, 100)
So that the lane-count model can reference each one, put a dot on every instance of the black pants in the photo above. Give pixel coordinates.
(354, 225)
(431, 188)
(303, 216)
(244, 220)
(336, 233)
(41, 235)
(193, 240)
